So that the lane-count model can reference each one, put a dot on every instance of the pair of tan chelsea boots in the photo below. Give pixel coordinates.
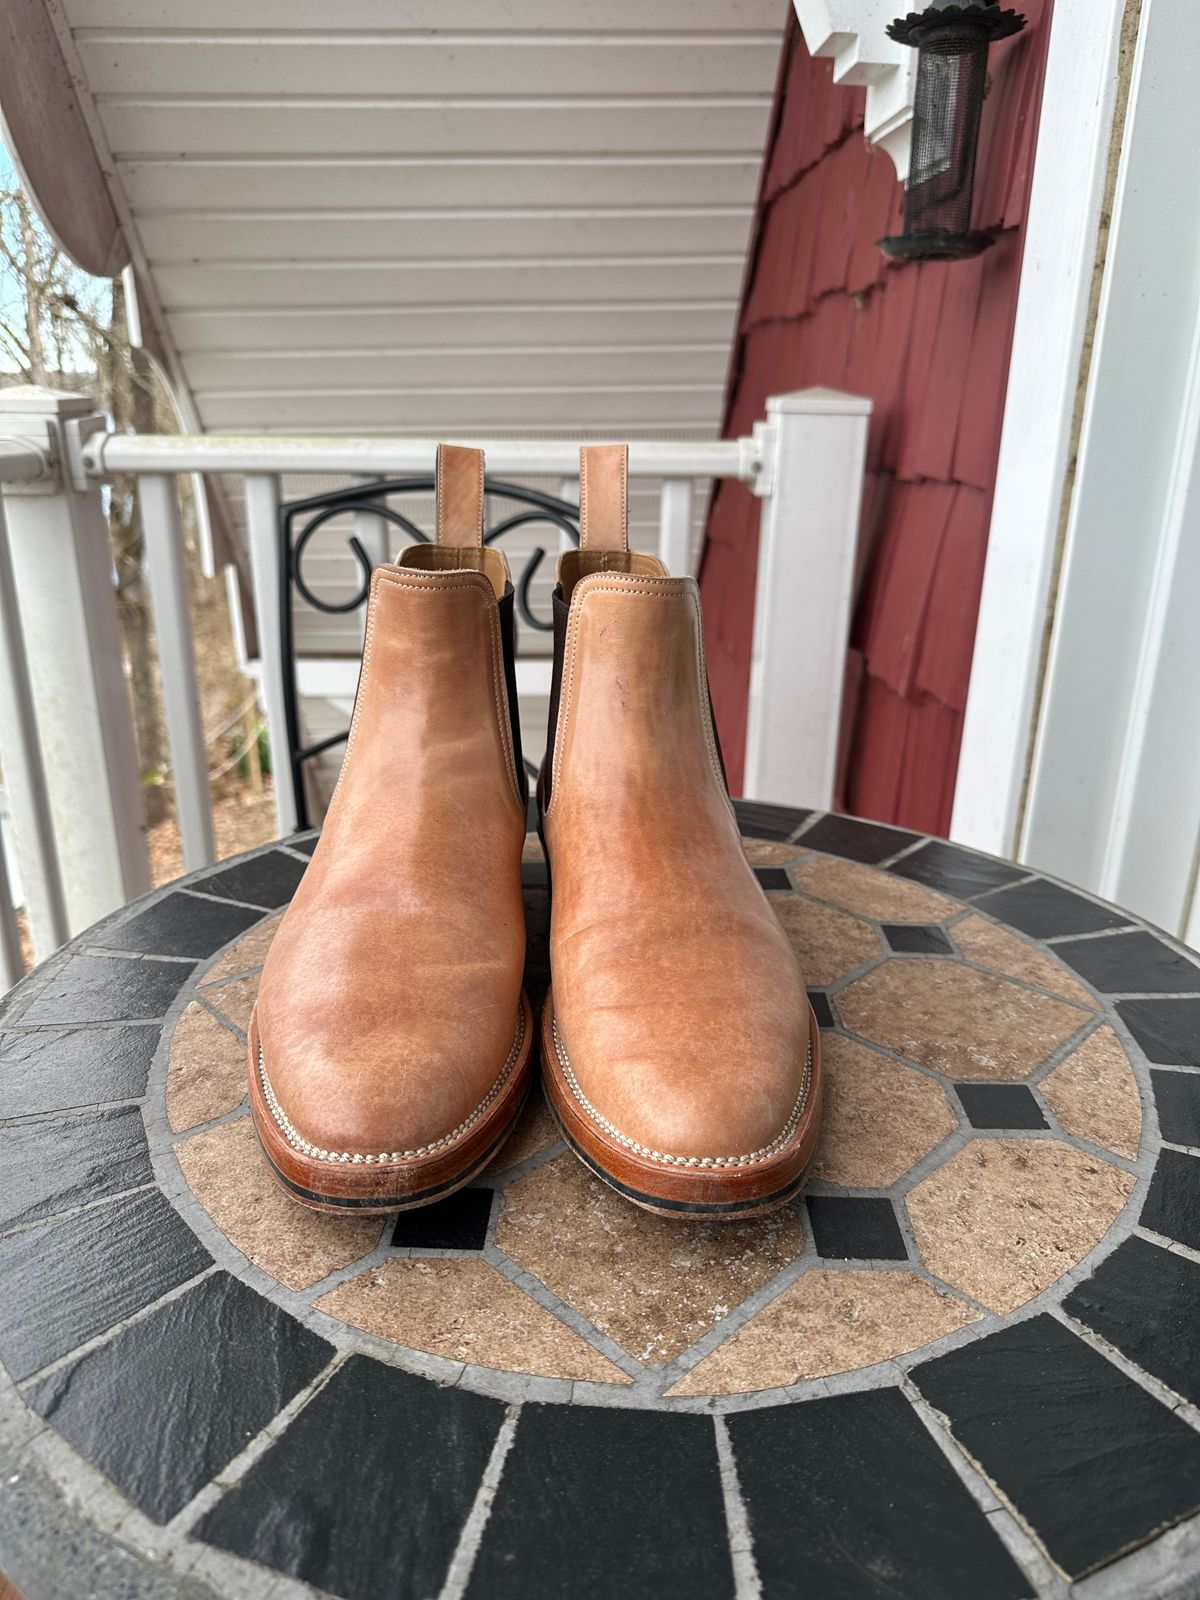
(392, 1046)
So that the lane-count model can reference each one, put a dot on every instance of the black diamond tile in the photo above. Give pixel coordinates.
(181, 924)
(1167, 1030)
(459, 1222)
(55, 1166)
(1173, 1201)
(914, 939)
(367, 1491)
(172, 1399)
(757, 820)
(849, 1498)
(956, 871)
(109, 989)
(269, 880)
(772, 878)
(306, 843)
(1000, 1105)
(70, 1279)
(848, 1229)
(601, 1502)
(1144, 1300)
(1093, 1463)
(1131, 963)
(1045, 911)
(1177, 1096)
(822, 1008)
(53, 1069)
(856, 841)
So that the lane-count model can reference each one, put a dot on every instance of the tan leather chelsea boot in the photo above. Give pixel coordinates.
(680, 1053)
(390, 1046)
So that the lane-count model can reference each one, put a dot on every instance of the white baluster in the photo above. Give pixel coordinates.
(163, 539)
(262, 523)
(675, 526)
(63, 572)
(25, 777)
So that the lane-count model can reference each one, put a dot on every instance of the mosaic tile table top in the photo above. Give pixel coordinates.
(967, 1361)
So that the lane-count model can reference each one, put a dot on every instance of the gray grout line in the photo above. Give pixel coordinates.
(75, 1211)
(242, 1109)
(99, 1340)
(228, 900)
(1096, 933)
(215, 985)
(92, 1111)
(234, 1471)
(1018, 1539)
(201, 999)
(1166, 1243)
(565, 1313)
(890, 861)
(1184, 1409)
(458, 1574)
(746, 1582)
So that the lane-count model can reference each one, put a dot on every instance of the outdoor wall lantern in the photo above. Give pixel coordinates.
(951, 40)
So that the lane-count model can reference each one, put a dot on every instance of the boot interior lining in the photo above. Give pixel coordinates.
(576, 564)
(458, 558)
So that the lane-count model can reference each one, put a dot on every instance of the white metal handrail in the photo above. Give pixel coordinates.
(78, 840)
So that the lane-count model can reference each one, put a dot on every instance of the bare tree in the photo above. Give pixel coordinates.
(71, 330)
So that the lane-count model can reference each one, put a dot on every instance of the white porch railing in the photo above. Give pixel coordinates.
(66, 736)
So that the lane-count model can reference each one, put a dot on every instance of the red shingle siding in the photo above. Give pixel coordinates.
(929, 343)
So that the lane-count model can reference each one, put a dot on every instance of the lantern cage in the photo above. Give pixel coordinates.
(952, 49)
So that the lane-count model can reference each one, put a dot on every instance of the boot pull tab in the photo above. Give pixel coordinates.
(459, 494)
(604, 497)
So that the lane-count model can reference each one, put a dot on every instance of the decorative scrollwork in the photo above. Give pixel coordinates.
(300, 520)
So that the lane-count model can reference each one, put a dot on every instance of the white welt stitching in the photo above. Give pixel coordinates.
(298, 1142)
(776, 1144)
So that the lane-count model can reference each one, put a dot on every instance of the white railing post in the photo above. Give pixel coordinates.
(262, 526)
(810, 482)
(163, 539)
(25, 779)
(58, 537)
(675, 526)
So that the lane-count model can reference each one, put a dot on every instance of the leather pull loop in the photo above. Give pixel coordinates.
(604, 497)
(459, 493)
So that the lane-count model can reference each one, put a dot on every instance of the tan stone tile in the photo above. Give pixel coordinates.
(649, 1282)
(770, 852)
(828, 943)
(828, 1322)
(1094, 1094)
(535, 1131)
(248, 954)
(235, 1000)
(1004, 1218)
(228, 1174)
(964, 1023)
(871, 893)
(206, 1074)
(464, 1310)
(982, 941)
(879, 1118)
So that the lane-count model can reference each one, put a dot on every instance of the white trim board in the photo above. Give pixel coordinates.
(1052, 310)
(1112, 792)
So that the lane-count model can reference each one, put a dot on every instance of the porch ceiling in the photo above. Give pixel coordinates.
(358, 218)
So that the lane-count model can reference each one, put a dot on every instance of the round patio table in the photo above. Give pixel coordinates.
(966, 1362)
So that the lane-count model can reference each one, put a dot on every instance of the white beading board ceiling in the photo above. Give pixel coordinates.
(503, 217)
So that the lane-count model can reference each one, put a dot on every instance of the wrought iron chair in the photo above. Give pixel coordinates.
(299, 520)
